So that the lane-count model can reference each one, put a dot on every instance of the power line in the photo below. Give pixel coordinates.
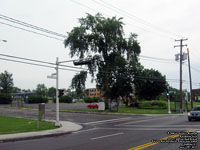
(23, 62)
(31, 31)
(157, 58)
(135, 77)
(31, 26)
(39, 61)
(26, 63)
(133, 17)
(27, 59)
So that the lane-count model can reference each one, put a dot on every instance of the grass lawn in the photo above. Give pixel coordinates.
(124, 110)
(133, 110)
(9, 125)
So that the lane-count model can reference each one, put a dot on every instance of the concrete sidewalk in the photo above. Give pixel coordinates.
(67, 127)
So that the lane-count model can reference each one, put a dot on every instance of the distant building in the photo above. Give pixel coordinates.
(93, 92)
(196, 94)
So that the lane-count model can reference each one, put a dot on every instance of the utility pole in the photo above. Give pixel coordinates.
(191, 95)
(181, 61)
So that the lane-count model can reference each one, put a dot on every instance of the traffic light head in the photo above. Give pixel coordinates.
(61, 92)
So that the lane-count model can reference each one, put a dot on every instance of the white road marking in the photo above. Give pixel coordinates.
(106, 121)
(148, 129)
(105, 136)
(85, 130)
(144, 120)
(160, 126)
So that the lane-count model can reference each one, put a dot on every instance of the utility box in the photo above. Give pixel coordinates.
(41, 111)
(101, 106)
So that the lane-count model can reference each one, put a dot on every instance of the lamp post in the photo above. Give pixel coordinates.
(3, 40)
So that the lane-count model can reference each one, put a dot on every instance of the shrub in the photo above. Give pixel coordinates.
(91, 99)
(5, 99)
(64, 99)
(153, 105)
(33, 99)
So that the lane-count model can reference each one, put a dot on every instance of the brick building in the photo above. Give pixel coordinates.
(196, 94)
(93, 92)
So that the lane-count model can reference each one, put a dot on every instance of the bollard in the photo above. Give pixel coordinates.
(41, 111)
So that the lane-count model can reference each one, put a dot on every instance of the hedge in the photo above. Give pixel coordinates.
(91, 99)
(33, 99)
(5, 99)
(153, 105)
(64, 99)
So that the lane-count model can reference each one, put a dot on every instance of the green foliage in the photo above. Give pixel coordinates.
(102, 37)
(51, 92)
(16, 90)
(91, 99)
(6, 82)
(5, 99)
(153, 105)
(64, 99)
(41, 90)
(33, 99)
(78, 83)
(149, 84)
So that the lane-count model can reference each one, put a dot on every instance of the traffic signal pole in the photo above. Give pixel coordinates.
(57, 93)
(168, 98)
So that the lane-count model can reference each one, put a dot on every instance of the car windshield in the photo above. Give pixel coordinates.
(196, 109)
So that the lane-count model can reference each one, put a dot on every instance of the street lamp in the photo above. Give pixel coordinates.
(3, 40)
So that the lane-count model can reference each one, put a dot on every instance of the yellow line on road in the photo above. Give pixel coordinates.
(158, 141)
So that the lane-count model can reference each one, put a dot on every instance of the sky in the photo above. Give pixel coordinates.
(157, 23)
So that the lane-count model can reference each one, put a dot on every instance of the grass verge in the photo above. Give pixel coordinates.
(10, 125)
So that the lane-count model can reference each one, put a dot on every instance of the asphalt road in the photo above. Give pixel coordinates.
(111, 132)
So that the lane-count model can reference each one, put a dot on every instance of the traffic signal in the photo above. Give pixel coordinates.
(167, 94)
(61, 92)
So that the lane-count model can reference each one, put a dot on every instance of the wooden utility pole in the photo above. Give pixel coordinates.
(191, 96)
(181, 61)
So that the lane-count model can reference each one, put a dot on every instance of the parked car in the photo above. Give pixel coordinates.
(194, 114)
(93, 105)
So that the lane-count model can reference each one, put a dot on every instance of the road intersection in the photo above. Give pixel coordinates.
(109, 132)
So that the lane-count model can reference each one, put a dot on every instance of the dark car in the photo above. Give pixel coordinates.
(194, 114)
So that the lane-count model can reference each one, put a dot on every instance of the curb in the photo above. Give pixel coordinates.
(33, 137)
(67, 128)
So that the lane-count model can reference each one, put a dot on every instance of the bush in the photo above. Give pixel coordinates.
(153, 105)
(91, 99)
(33, 99)
(5, 99)
(64, 99)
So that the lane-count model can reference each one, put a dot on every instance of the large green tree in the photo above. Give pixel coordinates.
(102, 37)
(51, 92)
(78, 83)
(41, 90)
(149, 83)
(6, 82)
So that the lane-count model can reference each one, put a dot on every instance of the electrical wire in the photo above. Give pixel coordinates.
(32, 31)
(27, 59)
(37, 64)
(31, 26)
(133, 17)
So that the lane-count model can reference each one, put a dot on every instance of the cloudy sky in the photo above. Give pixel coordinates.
(157, 22)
